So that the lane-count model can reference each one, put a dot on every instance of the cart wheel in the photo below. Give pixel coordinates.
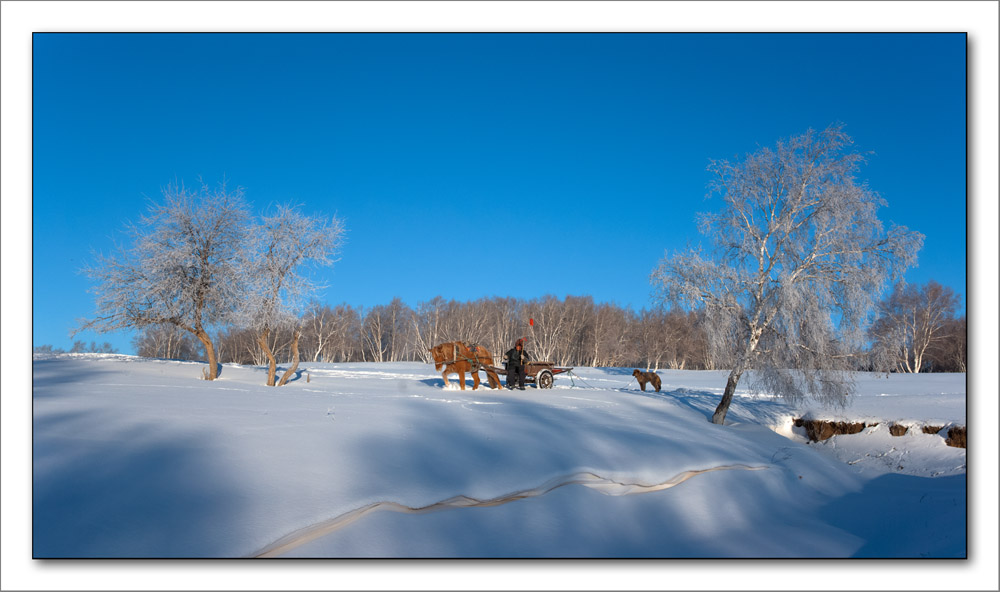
(544, 379)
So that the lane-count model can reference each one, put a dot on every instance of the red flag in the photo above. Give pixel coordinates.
(531, 322)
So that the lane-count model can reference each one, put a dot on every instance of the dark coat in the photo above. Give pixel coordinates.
(515, 358)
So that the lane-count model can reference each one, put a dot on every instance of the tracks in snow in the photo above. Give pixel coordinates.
(587, 479)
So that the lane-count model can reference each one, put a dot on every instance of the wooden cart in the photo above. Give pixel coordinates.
(541, 374)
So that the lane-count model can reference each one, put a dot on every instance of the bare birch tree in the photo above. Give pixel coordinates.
(166, 341)
(578, 315)
(426, 327)
(375, 334)
(184, 267)
(399, 323)
(320, 328)
(503, 325)
(464, 322)
(332, 334)
(913, 321)
(609, 344)
(799, 263)
(549, 328)
(658, 335)
(950, 354)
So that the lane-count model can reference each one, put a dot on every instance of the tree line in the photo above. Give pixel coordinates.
(78, 347)
(574, 331)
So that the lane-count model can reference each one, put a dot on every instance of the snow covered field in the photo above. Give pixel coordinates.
(135, 457)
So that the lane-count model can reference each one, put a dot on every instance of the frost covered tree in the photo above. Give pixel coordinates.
(800, 259)
(184, 267)
(913, 320)
(277, 286)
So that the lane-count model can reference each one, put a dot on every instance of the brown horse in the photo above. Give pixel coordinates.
(459, 357)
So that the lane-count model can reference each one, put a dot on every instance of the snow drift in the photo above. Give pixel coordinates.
(136, 457)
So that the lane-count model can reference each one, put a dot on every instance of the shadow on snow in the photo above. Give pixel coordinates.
(132, 494)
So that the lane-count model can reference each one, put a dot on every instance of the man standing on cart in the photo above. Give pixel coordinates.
(517, 358)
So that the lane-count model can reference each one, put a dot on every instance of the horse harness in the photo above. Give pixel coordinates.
(474, 362)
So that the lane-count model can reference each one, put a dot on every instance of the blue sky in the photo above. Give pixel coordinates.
(444, 152)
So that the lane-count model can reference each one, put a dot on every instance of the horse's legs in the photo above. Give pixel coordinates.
(491, 376)
(461, 379)
(475, 379)
(444, 375)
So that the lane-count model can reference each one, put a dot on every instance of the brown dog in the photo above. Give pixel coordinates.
(644, 377)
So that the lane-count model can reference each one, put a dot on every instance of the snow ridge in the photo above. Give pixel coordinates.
(586, 479)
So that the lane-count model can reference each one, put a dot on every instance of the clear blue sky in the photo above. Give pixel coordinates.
(444, 152)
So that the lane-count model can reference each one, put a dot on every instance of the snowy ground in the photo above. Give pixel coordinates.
(141, 458)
